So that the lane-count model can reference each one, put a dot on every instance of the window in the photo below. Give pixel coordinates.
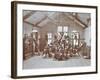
(75, 37)
(34, 33)
(49, 35)
(62, 28)
(49, 38)
(65, 29)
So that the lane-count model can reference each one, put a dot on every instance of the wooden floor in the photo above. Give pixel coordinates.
(40, 62)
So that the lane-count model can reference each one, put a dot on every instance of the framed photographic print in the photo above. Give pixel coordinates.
(50, 39)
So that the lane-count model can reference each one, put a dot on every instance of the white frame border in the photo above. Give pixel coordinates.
(21, 72)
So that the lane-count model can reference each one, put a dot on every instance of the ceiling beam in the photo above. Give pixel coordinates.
(28, 15)
(41, 20)
(78, 21)
(36, 25)
(47, 17)
(33, 25)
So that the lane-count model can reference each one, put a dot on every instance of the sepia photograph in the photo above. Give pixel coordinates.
(56, 39)
(53, 39)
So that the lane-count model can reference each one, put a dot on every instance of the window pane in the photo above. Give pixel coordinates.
(59, 28)
(49, 35)
(65, 29)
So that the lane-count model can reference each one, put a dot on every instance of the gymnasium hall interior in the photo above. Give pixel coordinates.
(54, 39)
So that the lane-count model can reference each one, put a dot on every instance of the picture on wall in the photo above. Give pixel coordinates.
(53, 39)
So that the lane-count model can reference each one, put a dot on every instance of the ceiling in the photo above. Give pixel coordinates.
(41, 18)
